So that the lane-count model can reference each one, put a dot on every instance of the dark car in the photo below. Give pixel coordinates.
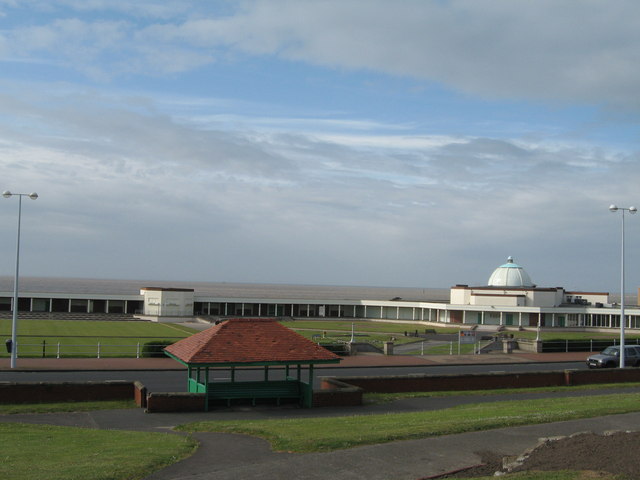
(610, 357)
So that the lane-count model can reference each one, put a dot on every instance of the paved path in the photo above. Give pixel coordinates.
(362, 360)
(227, 457)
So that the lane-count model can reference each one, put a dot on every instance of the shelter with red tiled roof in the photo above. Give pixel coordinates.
(245, 342)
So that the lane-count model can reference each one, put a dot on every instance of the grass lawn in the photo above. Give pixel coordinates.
(375, 333)
(325, 434)
(14, 408)
(361, 326)
(80, 338)
(560, 475)
(562, 335)
(69, 453)
(373, 398)
(383, 330)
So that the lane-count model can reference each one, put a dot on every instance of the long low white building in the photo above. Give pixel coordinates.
(510, 299)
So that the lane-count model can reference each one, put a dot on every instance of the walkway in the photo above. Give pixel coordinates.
(361, 360)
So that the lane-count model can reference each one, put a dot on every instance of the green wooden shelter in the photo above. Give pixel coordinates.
(214, 356)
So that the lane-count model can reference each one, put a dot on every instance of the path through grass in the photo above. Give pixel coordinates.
(325, 434)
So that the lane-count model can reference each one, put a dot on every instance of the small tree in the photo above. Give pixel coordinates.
(155, 348)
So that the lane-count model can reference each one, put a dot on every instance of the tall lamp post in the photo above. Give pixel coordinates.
(14, 323)
(631, 210)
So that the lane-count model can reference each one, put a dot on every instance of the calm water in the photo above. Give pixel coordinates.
(223, 289)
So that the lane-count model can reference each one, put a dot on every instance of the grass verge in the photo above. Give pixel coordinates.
(325, 434)
(65, 453)
(15, 408)
(379, 398)
(557, 475)
(80, 338)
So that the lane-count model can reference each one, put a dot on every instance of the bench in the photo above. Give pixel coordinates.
(277, 390)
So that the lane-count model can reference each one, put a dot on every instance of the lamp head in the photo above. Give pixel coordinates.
(613, 208)
(633, 209)
(33, 195)
(6, 194)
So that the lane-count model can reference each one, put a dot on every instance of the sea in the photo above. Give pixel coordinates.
(221, 289)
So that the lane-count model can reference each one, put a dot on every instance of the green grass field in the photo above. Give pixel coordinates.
(375, 333)
(69, 453)
(80, 338)
(63, 407)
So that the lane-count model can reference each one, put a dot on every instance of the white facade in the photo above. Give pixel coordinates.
(519, 304)
(168, 302)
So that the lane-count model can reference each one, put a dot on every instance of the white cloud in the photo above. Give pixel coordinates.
(510, 49)
(132, 190)
(193, 186)
(580, 51)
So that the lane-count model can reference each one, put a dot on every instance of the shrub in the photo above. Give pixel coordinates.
(155, 347)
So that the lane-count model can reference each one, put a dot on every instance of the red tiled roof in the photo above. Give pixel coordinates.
(246, 340)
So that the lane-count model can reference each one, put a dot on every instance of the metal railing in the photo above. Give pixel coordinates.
(88, 350)
(587, 345)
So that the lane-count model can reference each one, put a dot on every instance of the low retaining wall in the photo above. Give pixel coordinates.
(44, 392)
(590, 377)
(488, 381)
(336, 393)
(175, 402)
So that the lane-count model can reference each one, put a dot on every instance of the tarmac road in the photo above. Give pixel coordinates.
(166, 375)
(175, 380)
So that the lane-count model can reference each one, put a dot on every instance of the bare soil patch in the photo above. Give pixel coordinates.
(613, 453)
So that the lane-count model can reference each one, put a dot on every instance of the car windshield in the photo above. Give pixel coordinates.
(610, 351)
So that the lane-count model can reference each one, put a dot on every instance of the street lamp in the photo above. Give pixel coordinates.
(631, 210)
(14, 323)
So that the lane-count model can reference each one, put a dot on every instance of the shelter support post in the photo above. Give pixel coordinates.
(206, 389)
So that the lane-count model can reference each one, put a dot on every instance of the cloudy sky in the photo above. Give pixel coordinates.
(409, 143)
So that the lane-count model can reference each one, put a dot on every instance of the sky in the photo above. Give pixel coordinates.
(413, 143)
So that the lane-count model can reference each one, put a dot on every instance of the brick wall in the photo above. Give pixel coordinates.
(45, 392)
(335, 393)
(140, 394)
(613, 375)
(175, 402)
(488, 381)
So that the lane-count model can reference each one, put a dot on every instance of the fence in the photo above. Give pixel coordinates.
(46, 349)
(587, 345)
(54, 349)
